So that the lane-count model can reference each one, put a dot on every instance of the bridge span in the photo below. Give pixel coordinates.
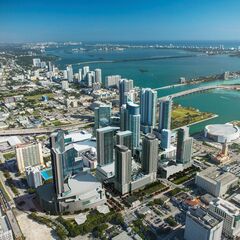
(201, 89)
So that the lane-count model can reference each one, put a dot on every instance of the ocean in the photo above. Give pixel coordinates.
(164, 71)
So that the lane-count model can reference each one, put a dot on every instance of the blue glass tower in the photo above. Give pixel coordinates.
(148, 101)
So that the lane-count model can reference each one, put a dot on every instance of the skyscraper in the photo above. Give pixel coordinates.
(98, 75)
(90, 78)
(36, 62)
(148, 102)
(65, 85)
(123, 168)
(80, 75)
(70, 73)
(184, 146)
(57, 149)
(85, 71)
(124, 87)
(165, 109)
(105, 144)
(65, 75)
(150, 154)
(28, 155)
(123, 118)
(64, 163)
(165, 138)
(50, 67)
(112, 81)
(133, 121)
(102, 116)
(124, 138)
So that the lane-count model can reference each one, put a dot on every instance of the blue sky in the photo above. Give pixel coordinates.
(119, 20)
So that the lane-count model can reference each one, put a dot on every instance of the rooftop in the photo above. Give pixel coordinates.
(122, 235)
(222, 129)
(217, 175)
(83, 184)
(81, 218)
(226, 206)
(204, 218)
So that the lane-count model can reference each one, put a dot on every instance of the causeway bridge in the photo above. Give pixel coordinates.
(201, 89)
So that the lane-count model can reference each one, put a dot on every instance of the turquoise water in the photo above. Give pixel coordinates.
(47, 174)
(164, 72)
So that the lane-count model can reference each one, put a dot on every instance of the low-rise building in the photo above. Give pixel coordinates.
(84, 192)
(215, 181)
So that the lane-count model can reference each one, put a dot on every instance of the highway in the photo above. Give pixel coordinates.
(170, 86)
(47, 130)
(200, 89)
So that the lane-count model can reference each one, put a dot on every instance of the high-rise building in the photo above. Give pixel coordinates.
(70, 73)
(80, 77)
(123, 118)
(34, 177)
(73, 188)
(124, 138)
(165, 139)
(36, 62)
(102, 116)
(123, 168)
(65, 85)
(148, 102)
(105, 145)
(98, 75)
(50, 66)
(112, 81)
(124, 87)
(230, 215)
(29, 154)
(90, 78)
(65, 75)
(202, 225)
(184, 146)
(57, 146)
(43, 65)
(64, 163)
(150, 154)
(133, 122)
(85, 71)
(165, 109)
(131, 95)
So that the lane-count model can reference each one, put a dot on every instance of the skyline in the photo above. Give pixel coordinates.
(110, 21)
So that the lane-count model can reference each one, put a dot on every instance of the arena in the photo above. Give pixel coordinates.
(222, 132)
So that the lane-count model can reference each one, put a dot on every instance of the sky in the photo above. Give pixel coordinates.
(118, 20)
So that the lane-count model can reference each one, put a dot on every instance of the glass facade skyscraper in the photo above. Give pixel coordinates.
(105, 145)
(124, 87)
(184, 146)
(148, 102)
(124, 138)
(123, 168)
(165, 110)
(149, 154)
(102, 116)
(133, 119)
